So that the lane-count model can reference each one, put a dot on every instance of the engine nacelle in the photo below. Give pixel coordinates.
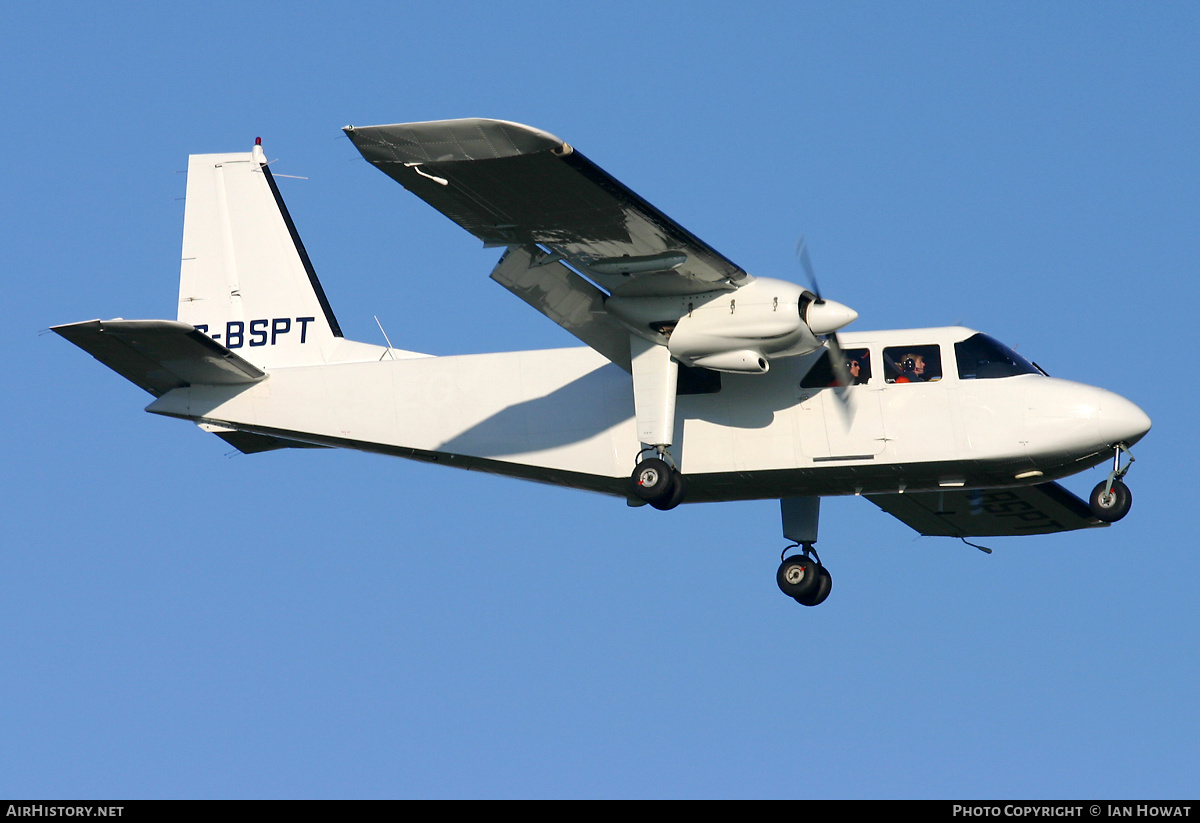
(739, 362)
(763, 317)
(735, 331)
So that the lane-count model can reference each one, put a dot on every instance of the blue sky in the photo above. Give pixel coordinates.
(178, 622)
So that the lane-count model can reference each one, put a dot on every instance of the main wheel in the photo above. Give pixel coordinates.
(676, 495)
(652, 480)
(798, 576)
(817, 596)
(1113, 506)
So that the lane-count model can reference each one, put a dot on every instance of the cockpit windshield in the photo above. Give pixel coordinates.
(981, 358)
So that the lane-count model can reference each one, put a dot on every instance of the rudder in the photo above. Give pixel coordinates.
(245, 278)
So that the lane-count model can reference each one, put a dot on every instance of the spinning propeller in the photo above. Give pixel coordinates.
(824, 318)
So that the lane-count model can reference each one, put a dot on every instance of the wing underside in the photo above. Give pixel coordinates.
(1042, 509)
(567, 299)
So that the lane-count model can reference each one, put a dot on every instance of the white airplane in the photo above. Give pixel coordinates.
(709, 383)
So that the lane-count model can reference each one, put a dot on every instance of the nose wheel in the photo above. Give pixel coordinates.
(1111, 499)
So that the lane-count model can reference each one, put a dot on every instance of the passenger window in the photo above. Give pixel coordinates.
(821, 375)
(912, 364)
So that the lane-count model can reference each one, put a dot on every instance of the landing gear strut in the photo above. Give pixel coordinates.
(1111, 499)
(655, 479)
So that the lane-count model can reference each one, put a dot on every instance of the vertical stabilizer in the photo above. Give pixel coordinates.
(245, 279)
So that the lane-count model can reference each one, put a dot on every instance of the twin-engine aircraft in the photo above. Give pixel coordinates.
(699, 382)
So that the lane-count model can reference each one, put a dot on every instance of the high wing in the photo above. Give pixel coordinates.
(600, 261)
(1042, 509)
(513, 185)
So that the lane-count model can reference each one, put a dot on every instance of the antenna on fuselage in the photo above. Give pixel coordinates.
(385, 337)
(983, 549)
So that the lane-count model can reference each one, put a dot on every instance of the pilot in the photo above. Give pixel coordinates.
(912, 368)
(855, 368)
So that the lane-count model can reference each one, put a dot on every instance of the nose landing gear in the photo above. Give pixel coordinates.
(1111, 499)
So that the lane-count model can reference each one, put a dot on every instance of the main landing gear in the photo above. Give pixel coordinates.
(1111, 499)
(658, 483)
(802, 577)
(655, 478)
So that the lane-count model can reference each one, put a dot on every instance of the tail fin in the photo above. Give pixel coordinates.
(246, 280)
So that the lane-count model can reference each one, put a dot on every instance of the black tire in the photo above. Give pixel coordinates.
(1113, 506)
(798, 577)
(678, 492)
(821, 591)
(652, 480)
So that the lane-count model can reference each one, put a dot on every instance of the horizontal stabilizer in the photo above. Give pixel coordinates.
(1041, 509)
(160, 355)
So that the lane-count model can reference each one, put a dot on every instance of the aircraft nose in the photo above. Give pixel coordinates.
(1122, 421)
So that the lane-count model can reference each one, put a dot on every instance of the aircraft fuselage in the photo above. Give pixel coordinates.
(563, 416)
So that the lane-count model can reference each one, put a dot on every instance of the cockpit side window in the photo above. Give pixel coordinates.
(821, 375)
(912, 364)
(983, 358)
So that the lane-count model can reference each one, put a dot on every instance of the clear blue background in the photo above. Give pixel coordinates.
(179, 622)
